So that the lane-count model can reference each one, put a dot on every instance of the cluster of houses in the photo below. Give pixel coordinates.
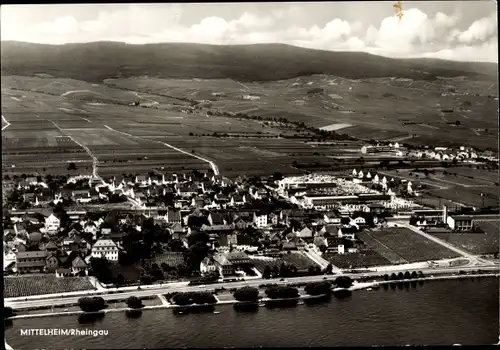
(462, 154)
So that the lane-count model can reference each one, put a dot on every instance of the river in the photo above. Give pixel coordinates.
(436, 313)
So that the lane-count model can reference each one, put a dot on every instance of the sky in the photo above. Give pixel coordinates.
(454, 30)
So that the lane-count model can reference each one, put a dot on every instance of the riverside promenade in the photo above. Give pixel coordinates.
(165, 304)
(123, 293)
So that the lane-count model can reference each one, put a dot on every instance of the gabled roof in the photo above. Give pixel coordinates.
(105, 243)
(217, 218)
(31, 254)
(51, 245)
(78, 263)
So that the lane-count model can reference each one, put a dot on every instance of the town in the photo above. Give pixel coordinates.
(64, 234)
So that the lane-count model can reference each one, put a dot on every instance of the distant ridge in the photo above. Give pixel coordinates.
(97, 61)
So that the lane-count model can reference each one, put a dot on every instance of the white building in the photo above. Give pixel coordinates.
(105, 248)
(52, 223)
(260, 219)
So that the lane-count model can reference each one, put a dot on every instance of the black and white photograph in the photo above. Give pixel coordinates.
(250, 175)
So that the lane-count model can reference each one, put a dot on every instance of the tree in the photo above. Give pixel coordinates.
(277, 176)
(329, 269)
(413, 221)
(190, 134)
(407, 275)
(91, 304)
(247, 294)
(72, 166)
(457, 123)
(393, 277)
(267, 272)
(414, 275)
(134, 302)
(400, 276)
(343, 282)
(386, 277)
(182, 299)
(318, 288)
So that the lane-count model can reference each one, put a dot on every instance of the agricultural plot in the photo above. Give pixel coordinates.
(372, 244)
(300, 261)
(481, 174)
(410, 245)
(474, 243)
(470, 196)
(260, 264)
(361, 259)
(43, 284)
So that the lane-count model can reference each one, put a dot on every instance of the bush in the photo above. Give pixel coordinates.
(276, 292)
(318, 288)
(246, 294)
(134, 303)
(91, 304)
(343, 282)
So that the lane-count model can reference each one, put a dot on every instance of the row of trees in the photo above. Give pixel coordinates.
(278, 292)
(403, 276)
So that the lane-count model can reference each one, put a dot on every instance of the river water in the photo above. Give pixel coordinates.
(436, 313)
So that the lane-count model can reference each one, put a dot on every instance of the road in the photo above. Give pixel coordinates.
(465, 254)
(211, 163)
(252, 283)
(6, 126)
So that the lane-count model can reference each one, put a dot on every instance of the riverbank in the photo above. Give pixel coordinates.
(167, 305)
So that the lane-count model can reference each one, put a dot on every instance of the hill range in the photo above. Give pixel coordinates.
(97, 61)
(223, 102)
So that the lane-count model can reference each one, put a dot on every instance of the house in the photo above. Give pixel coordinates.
(332, 217)
(359, 220)
(177, 231)
(51, 262)
(198, 203)
(304, 233)
(208, 266)
(335, 245)
(239, 222)
(52, 223)
(63, 272)
(288, 246)
(51, 247)
(173, 217)
(346, 232)
(81, 196)
(105, 248)
(187, 191)
(274, 219)
(228, 239)
(260, 219)
(238, 200)
(223, 264)
(31, 261)
(142, 180)
(79, 266)
(460, 222)
(216, 219)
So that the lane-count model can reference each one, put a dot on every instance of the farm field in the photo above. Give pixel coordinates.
(475, 243)
(465, 188)
(298, 260)
(43, 284)
(470, 196)
(376, 108)
(364, 258)
(371, 243)
(411, 246)
(260, 264)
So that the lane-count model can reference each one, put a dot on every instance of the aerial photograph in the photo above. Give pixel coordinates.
(250, 175)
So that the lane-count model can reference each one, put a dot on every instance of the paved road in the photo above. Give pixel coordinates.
(212, 164)
(253, 283)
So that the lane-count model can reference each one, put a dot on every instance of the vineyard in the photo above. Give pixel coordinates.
(43, 284)
(260, 264)
(365, 258)
(411, 246)
(300, 261)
